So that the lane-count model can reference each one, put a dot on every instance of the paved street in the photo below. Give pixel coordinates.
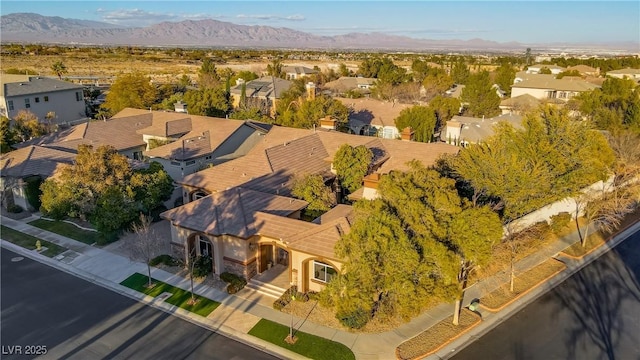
(595, 314)
(75, 319)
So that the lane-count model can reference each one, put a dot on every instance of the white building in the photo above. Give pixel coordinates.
(42, 96)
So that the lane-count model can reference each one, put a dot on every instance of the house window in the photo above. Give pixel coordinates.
(208, 157)
(137, 155)
(37, 100)
(190, 162)
(175, 163)
(46, 99)
(323, 272)
(205, 247)
(10, 103)
(78, 96)
(27, 103)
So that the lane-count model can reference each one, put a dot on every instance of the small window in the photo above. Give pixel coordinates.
(10, 103)
(46, 99)
(207, 157)
(175, 163)
(37, 100)
(78, 96)
(323, 272)
(27, 104)
(190, 162)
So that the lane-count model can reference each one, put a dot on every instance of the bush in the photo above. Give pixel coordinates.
(355, 319)
(542, 228)
(285, 298)
(108, 237)
(165, 259)
(235, 282)
(32, 191)
(202, 266)
(560, 221)
(155, 213)
(16, 209)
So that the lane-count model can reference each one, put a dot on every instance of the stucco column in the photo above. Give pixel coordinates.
(218, 253)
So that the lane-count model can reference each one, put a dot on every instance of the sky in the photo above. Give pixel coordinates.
(503, 21)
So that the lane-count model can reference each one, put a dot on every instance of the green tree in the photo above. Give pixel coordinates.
(343, 70)
(275, 69)
(27, 126)
(552, 157)
(615, 106)
(480, 96)
(352, 164)
(151, 187)
(132, 90)
(7, 135)
(311, 188)
(445, 108)
(460, 72)
(545, 70)
(505, 75)
(208, 75)
(208, 102)
(370, 67)
(422, 119)
(59, 68)
(436, 82)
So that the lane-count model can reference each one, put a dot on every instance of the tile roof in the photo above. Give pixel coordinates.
(583, 69)
(346, 83)
(320, 240)
(301, 70)
(233, 212)
(522, 101)
(35, 85)
(556, 84)
(338, 211)
(367, 111)
(475, 130)
(401, 152)
(33, 160)
(119, 132)
(627, 71)
(267, 86)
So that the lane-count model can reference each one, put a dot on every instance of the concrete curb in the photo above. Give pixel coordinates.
(195, 319)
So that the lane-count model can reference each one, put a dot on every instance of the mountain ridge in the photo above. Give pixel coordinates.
(32, 27)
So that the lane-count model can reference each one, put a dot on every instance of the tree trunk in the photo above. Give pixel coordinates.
(456, 311)
(583, 239)
(149, 272)
(512, 276)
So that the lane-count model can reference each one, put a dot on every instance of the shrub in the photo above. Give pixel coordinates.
(32, 191)
(165, 259)
(285, 298)
(560, 221)
(155, 213)
(235, 282)
(202, 266)
(542, 228)
(354, 319)
(15, 209)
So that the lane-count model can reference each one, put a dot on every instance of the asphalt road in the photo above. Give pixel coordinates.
(74, 319)
(595, 314)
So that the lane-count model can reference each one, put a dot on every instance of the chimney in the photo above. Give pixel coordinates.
(407, 134)
(370, 190)
(311, 90)
(328, 123)
(180, 107)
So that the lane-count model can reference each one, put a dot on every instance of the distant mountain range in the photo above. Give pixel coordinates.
(35, 28)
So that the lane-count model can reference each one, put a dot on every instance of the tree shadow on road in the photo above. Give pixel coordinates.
(595, 297)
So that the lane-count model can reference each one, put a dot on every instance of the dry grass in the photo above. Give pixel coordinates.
(523, 282)
(436, 336)
(593, 241)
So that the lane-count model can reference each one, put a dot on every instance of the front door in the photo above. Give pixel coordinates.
(266, 257)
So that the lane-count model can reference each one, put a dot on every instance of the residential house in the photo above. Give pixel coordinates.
(240, 213)
(297, 72)
(555, 89)
(19, 167)
(464, 131)
(263, 92)
(42, 96)
(346, 84)
(535, 69)
(523, 75)
(585, 70)
(373, 117)
(519, 104)
(633, 74)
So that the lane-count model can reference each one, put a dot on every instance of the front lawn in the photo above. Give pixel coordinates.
(308, 345)
(70, 231)
(29, 242)
(180, 298)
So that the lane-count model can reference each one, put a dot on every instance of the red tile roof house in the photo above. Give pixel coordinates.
(249, 224)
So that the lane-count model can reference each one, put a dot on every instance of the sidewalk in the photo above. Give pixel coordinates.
(238, 313)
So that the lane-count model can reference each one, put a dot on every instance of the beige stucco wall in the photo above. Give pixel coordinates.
(537, 93)
(299, 260)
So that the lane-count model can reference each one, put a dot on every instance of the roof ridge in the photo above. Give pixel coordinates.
(27, 159)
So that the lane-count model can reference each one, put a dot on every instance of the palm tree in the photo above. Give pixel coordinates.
(59, 68)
